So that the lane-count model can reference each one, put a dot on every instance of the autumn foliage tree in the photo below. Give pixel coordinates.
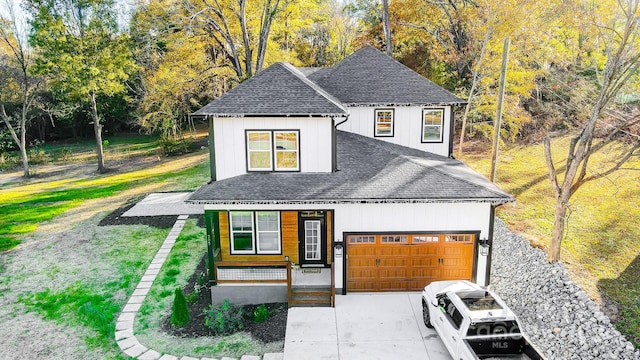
(17, 85)
(82, 52)
(619, 36)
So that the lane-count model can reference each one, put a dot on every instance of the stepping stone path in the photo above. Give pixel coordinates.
(125, 338)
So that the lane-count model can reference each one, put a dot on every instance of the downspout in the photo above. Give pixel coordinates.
(452, 130)
(492, 219)
(334, 142)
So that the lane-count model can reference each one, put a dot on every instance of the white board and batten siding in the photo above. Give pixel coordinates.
(231, 147)
(422, 217)
(407, 126)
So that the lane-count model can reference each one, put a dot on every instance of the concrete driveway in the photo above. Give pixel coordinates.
(363, 326)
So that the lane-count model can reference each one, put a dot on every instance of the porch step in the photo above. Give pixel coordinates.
(317, 296)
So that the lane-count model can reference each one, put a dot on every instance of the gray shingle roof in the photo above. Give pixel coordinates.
(371, 77)
(279, 90)
(369, 170)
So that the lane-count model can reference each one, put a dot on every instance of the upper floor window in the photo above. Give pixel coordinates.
(432, 121)
(384, 122)
(273, 150)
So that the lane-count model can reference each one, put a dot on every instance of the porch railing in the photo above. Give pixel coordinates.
(254, 272)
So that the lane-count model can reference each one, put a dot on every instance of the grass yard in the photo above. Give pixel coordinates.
(180, 265)
(63, 278)
(602, 244)
(27, 203)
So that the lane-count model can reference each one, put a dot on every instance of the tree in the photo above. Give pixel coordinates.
(233, 25)
(82, 52)
(178, 71)
(327, 36)
(386, 26)
(17, 85)
(180, 311)
(622, 52)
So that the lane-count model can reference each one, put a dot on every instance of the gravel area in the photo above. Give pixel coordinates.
(556, 314)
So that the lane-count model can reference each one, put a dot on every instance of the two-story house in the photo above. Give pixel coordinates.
(348, 173)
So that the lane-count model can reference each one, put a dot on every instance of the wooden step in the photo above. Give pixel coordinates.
(311, 296)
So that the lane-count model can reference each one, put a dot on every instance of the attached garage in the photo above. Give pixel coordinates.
(408, 262)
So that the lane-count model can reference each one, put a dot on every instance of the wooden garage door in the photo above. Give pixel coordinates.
(407, 262)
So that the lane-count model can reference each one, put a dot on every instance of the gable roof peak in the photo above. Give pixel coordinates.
(371, 77)
(279, 90)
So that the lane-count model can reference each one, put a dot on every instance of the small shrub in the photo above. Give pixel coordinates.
(37, 156)
(260, 314)
(170, 146)
(105, 143)
(224, 320)
(192, 297)
(62, 155)
(180, 313)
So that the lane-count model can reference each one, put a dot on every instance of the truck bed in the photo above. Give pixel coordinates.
(503, 348)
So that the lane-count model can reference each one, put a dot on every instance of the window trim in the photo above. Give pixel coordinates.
(375, 122)
(273, 167)
(248, 157)
(258, 231)
(441, 139)
(232, 234)
(275, 150)
(255, 235)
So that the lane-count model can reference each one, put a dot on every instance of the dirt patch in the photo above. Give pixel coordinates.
(116, 218)
(272, 330)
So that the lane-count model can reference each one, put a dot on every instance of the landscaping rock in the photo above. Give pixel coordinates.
(555, 313)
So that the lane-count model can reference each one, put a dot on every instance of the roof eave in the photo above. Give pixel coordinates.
(492, 201)
(444, 103)
(227, 115)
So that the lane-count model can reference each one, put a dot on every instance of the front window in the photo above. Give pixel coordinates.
(242, 233)
(432, 120)
(273, 150)
(384, 122)
(255, 232)
(268, 231)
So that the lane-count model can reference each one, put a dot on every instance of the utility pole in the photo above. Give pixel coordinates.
(498, 124)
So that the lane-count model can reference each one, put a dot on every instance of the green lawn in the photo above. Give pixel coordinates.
(602, 244)
(30, 202)
(83, 150)
(71, 272)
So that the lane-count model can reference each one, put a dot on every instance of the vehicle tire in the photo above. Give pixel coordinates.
(425, 315)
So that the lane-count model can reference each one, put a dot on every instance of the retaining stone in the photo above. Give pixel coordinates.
(136, 350)
(128, 343)
(131, 307)
(168, 357)
(124, 325)
(273, 356)
(149, 355)
(555, 313)
(124, 334)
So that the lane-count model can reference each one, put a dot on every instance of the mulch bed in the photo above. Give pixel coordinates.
(116, 218)
(269, 331)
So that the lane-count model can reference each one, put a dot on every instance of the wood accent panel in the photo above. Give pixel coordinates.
(289, 236)
(225, 249)
(329, 236)
(289, 221)
(404, 267)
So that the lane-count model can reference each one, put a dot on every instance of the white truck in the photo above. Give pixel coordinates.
(474, 323)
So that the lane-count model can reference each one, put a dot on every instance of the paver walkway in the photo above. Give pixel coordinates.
(125, 337)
